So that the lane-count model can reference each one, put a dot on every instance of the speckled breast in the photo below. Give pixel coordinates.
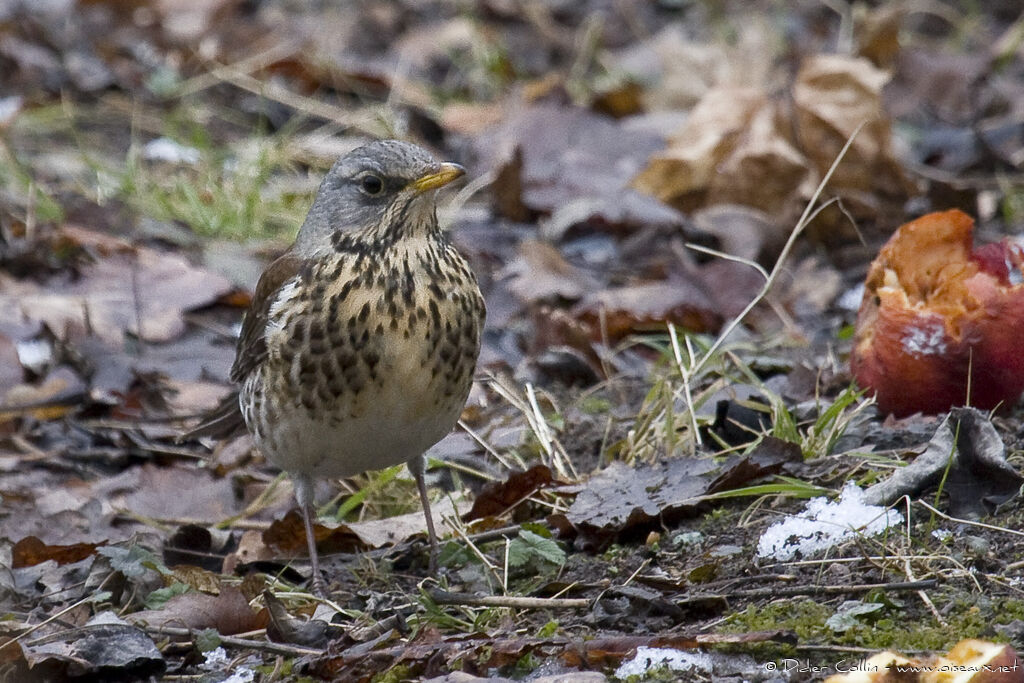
(371, 367)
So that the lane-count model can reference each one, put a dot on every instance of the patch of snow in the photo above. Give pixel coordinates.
(648, 658)
(216, 659)
(165, 149)
(824, 524)
(241, 675)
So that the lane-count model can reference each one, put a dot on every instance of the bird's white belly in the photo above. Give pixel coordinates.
(385, 424)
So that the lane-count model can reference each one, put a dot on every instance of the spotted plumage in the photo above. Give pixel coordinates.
(359, 348)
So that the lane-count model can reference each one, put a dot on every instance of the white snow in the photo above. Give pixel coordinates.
(824, 524)
(165, 149)
(648, 658)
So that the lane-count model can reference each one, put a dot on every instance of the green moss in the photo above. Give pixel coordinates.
(395, 674)
(804, 617)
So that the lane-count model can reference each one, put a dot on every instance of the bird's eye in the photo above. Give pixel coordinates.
(371, 184)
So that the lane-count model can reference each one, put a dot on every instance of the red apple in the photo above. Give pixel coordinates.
(941, 325)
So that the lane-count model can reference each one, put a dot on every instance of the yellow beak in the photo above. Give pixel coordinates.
(446, 173)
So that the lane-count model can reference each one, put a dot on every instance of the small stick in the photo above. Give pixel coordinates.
(789, 591)
(442, 597)
(261, 645)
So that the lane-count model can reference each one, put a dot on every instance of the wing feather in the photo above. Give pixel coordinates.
(252, 343)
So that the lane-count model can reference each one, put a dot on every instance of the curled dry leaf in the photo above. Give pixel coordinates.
(976, 480)
(682, 174)
(287, 534)
(228, 612)
(738, 145)
(940, 324)
(101, 651)
(763, 169)
(970, 661)
(834, 94)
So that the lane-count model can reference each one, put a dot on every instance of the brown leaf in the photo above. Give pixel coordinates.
(497, 497)
(112, 296)
(833, 94)
(763, 169)
(683, 173)
(621, 498)
(288, 536)
(622, 311)
(541, 274)
(228, 612)
(31, 551)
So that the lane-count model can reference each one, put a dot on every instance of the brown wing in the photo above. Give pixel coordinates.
(252, 343)
(225, 421)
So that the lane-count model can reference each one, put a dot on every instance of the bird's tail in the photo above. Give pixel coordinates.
(223, 422)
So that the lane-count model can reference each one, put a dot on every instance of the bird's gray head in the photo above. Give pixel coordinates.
(383, 190)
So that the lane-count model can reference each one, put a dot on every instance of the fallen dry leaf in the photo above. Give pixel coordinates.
(977, 479)
(621, 311)
(116, 295)
(497, 497)
(682, 174)
(833, 94)
(228, 612)
(31, 551)
(287, 535)
(622, 498)
(567, 153)
(541, 274)
(102, 651)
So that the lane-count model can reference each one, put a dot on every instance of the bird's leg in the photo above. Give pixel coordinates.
(416, 466)
(304, 495)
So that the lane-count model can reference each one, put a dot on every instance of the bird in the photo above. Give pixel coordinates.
(359, 347)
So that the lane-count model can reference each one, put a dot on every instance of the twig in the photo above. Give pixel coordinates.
(260, 645)
(243, 524)
(789, 591)
(809, 214)
(990, 527)
(249, 65)
(278, 93)
(909, 571)
(443, 597)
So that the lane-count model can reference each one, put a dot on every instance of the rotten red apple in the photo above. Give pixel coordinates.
(941, 324)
